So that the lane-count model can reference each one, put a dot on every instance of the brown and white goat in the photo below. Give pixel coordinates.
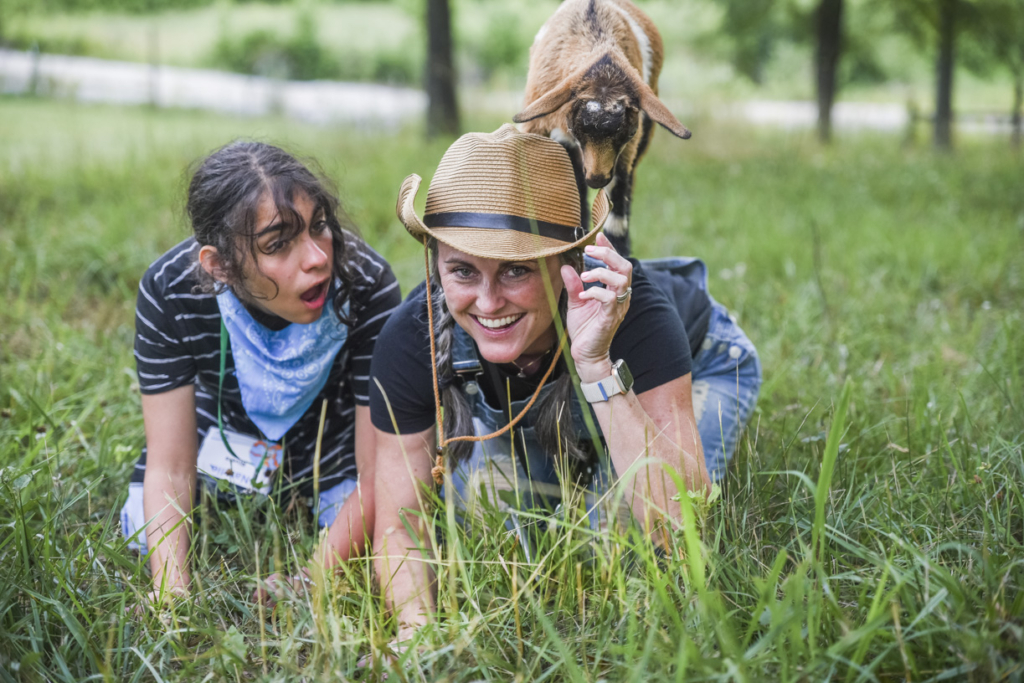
(593, 86)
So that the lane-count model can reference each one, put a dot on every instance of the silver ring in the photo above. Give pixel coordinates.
(624, 297)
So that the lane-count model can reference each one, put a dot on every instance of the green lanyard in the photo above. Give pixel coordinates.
(220, 392)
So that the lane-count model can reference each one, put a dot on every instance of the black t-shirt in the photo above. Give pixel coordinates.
(177, 343)
(652, 339)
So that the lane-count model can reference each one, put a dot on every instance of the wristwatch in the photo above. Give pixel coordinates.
(619, 382)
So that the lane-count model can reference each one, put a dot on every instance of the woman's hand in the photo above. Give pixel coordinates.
(159, 598)
(279, 586)
(391, 654)
(594, 314)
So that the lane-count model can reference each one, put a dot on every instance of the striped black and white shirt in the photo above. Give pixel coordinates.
(177, 343)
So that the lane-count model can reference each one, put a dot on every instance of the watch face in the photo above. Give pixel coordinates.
(623, 375)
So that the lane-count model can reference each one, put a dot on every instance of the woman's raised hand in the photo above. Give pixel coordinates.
(594, 314)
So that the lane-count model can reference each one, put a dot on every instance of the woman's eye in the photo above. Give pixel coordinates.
(321, 225)
(274, 247)
(517, 271)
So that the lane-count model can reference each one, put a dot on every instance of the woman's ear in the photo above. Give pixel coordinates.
(209, 260)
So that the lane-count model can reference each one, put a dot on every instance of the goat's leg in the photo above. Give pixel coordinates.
(621, 192)
(576, 157)
(616, 228)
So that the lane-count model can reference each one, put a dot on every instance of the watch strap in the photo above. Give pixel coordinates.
(612, 385)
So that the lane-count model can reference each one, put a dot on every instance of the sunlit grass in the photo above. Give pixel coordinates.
(888, 270)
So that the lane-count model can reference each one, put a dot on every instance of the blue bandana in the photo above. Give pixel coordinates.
(280, 372)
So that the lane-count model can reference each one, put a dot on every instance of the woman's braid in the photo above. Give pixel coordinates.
(458, 416)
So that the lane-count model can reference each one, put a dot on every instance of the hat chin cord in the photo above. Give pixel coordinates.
(442, 443)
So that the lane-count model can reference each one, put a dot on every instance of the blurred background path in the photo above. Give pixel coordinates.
(87, 79)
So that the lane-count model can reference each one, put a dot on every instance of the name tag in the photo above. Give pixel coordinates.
(250, 471)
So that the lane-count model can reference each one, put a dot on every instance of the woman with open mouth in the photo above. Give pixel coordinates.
(253, 346)
(471, 384)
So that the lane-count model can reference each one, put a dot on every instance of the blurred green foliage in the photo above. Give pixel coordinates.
(266, 53)
(504, 43)
(753, 30)
(128, 6)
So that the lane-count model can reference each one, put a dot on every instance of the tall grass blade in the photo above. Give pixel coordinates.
(828, 466)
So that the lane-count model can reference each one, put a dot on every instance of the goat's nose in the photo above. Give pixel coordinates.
(596, 182)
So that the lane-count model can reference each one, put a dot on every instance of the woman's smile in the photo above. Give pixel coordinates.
(503, 305)
(499, 323)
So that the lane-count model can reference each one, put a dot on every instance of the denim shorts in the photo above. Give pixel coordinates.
(133, 518)
(726, 383)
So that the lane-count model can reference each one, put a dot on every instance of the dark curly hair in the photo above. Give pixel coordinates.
(223, 199)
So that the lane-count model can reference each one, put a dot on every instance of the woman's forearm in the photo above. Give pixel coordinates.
(166, 496)
(406, 579)
(352, 529)
(633, 433)
(401, 555)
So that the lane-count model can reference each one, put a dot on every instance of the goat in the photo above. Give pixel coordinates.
(593, 87)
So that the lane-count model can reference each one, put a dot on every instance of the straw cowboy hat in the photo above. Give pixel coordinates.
(502, 195)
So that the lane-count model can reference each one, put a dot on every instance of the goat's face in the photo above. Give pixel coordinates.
(603, 127)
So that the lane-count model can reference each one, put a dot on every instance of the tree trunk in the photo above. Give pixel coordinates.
(944, 74)
(442, 109)
(829, 20)
(1018, 104)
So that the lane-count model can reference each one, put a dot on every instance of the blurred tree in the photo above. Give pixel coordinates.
(942, 23)
(1001, 35)
(828, 47)
(442, 107)
(756, 25)
(944, 63)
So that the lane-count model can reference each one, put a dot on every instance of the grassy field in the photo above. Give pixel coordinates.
(882, 541)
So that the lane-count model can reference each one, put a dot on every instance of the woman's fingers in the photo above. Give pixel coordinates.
(573, 283)
(612, 280)
(603, 251)
(605, 296)
(157, 599)
(279, 586)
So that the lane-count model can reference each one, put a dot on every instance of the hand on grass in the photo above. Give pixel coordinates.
(389, 656)
(159, 598)
(279, 586)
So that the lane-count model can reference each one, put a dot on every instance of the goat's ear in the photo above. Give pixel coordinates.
(659, 113)
(549, 101)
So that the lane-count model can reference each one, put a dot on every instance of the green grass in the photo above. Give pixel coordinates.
(878, 541)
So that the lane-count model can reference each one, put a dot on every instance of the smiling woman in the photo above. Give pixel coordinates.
(243, 331)
(464, 364)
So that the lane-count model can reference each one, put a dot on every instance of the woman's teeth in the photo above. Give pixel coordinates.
(495, 323)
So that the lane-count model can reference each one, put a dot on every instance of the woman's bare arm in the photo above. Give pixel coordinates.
(352, 528)
(658, 425)
(402, 476)
(170, 483)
